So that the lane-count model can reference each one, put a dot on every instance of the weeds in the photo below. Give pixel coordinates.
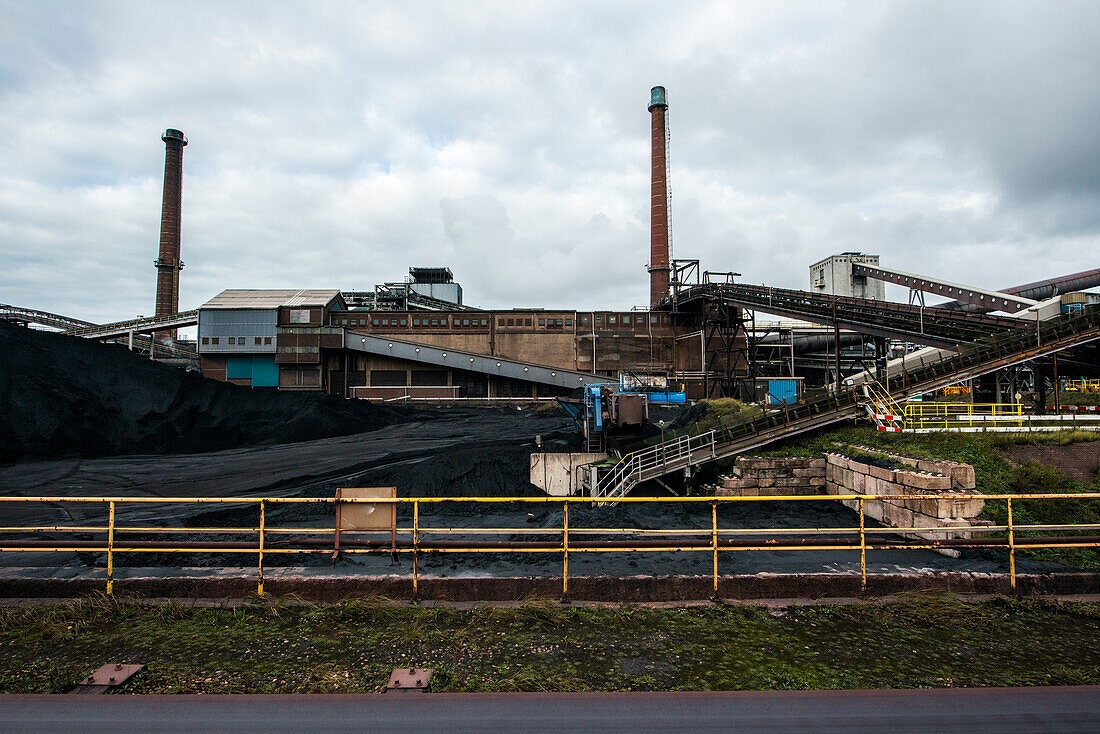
(921, 640)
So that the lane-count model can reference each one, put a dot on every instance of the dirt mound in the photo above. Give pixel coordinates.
(1080, 461)
(67, 397)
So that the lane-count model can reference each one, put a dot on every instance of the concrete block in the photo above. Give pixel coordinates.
(765, 482)
(931, 482)
(859, 483)
(817, 482)
(841, 462)
(879, 473)
(739, 483)
(907, 460)
(818, 463)
(962, 476)
(857, 466)
(807, 472)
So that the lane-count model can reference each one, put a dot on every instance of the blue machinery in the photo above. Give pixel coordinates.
(607, 409)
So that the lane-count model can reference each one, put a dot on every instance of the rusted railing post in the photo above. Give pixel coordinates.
(862, 550)
(565, 553)
(260, 555)
(1011, 548)
(111, 548)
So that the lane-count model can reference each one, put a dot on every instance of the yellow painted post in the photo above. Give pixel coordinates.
(416, 541)
(260, 562)
(1011, 547)
(565, 554)
(111, 548)
(862, 550)
(714, 542)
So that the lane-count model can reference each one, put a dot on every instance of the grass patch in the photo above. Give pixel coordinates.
(353, 647)
(723, 411)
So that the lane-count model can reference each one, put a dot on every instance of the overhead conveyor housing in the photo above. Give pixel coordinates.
(472, 361)
(934, 327)
(993, 300)
(137, 326)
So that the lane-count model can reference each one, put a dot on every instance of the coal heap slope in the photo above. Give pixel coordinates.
(62, 396)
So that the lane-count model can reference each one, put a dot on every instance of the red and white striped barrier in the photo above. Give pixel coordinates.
(891, 429)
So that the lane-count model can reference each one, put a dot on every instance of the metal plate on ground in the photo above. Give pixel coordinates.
(112, 674)
(410, 679)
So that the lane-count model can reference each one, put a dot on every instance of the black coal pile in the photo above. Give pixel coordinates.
(68, 397)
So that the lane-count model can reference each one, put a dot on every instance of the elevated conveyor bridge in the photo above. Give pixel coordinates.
(934, 327)
(987, 354)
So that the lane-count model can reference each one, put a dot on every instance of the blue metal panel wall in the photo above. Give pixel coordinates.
(238, 368)
(265, 373)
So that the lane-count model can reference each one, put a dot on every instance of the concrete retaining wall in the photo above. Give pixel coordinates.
(844, 475)
(556, 474)
(756, 476)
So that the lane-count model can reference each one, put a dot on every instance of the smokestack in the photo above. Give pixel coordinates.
(169, 263)
(658, 223)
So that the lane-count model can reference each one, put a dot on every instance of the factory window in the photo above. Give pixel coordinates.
(232, 340)
(258, 341)
(610, 319)
(485, 322)
(385, 322)
(465, 322)
(374, 322)
(569, 322)
(652, 319)
(416, 322)
(401, 322)
(267, 340)
(214, 340)
(599, 320)
(206, 340)
(435, 322)
(542, 322)
(584, 319)
(626, 320)
(500, 322)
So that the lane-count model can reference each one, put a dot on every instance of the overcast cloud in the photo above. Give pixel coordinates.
(336, 144)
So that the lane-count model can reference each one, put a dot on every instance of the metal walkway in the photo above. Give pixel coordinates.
(136, 326)
(934, 327)
(985, 355)
(87, 329)
(474, 362)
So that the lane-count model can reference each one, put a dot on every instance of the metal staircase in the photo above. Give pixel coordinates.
(985, 355)
(882, 409)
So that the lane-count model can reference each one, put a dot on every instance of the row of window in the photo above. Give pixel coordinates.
(636, 320)
(400, 322)
(237, 340)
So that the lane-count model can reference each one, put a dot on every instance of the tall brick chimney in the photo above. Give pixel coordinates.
(169, 263)
(658, 225)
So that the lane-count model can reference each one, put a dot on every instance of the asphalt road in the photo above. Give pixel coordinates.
(999, 710)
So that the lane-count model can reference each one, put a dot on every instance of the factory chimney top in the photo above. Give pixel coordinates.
(657, 98)
(173, 134)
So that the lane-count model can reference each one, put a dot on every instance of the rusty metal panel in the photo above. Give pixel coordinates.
(112, 674)
(410, 679)
(365, 515)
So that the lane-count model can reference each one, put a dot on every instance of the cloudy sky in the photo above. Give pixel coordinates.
(336, 144)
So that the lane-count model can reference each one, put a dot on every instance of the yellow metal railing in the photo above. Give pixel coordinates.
(954, 390)
(263, 540)
(1081, 385)
(953, 415)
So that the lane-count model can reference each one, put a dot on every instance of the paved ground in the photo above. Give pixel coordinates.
(995, 710)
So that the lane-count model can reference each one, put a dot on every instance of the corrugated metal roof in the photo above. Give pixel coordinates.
(241, 298)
